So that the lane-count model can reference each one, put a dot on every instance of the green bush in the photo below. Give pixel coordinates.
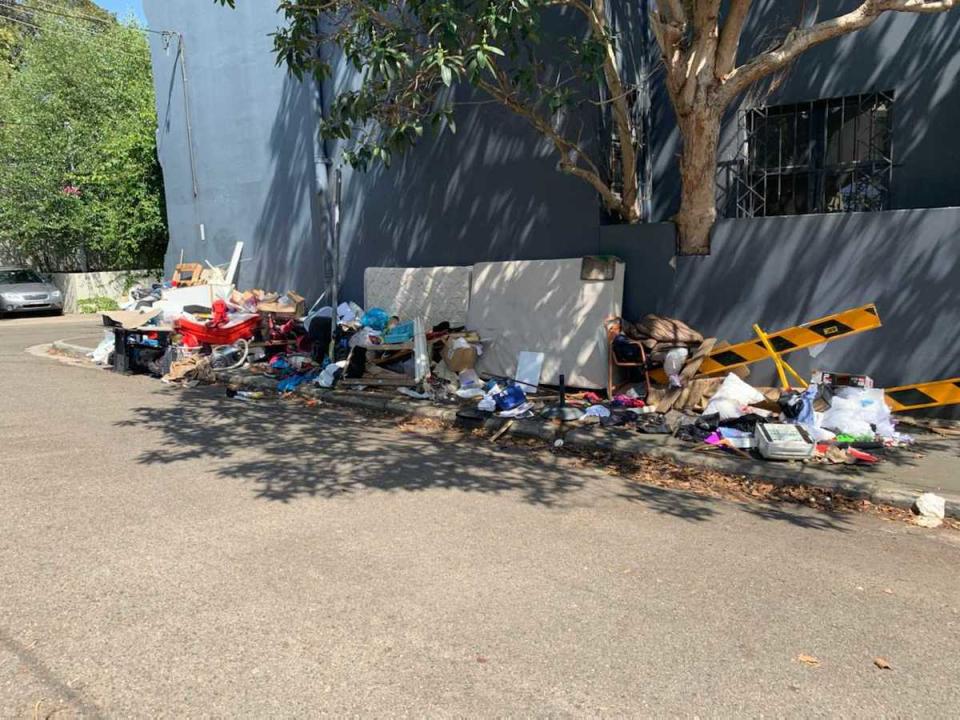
(89, 306)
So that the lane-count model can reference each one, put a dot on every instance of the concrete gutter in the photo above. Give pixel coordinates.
(860, 482)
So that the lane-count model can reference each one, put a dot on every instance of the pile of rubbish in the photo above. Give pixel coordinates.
(661, 382)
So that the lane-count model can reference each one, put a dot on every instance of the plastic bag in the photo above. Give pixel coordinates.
(102, 353)
(846, 417)
(330, 374)
(365, 337)
(469, 378)
(673, 363)
(375, 318)
(856, 411)
(732, 398)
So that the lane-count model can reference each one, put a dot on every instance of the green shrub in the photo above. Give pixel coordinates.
(88, 306)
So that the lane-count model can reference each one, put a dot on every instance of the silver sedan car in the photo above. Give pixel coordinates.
(24, 290)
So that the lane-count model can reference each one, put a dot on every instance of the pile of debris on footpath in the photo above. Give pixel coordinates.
(502, 351)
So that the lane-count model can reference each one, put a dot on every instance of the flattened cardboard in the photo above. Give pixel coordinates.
(131, 319)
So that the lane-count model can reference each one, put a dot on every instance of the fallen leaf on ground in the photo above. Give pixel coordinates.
(481, 659)
(809, 660)
(882, 663)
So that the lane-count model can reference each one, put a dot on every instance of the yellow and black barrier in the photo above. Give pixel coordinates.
(923, 395)
(822, 330)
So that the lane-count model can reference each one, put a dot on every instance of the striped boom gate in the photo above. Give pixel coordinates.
(822, 330)
(923, 395)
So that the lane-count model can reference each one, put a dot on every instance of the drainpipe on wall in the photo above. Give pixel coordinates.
(646, 124)
(332, 180)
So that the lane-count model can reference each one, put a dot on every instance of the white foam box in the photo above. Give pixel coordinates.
(776, 441)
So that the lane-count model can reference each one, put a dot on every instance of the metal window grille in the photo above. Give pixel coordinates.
(823, 156)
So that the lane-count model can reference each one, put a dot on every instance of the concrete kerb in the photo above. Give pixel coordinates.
(621, 442)
(65, 348)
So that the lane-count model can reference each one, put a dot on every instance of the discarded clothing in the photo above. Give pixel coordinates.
(746, 423)
(598, 410)
(293, 382)
(653, 424)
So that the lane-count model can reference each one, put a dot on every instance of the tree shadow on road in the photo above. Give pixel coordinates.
(286, 451)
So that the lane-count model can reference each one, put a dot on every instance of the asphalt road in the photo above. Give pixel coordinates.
(175, 553)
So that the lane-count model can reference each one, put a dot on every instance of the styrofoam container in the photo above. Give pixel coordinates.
(779, 441)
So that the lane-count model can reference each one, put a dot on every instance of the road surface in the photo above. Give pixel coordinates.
(175, 553)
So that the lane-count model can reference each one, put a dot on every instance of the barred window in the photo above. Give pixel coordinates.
(815, 157)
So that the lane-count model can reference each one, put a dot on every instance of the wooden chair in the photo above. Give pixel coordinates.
(613, 328)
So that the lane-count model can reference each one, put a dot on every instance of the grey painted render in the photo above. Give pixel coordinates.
(782, 271)
(489, 192)
(253, 145)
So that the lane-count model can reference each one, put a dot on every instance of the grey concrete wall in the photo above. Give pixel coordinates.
(915, 56)
(111, 284)
(253, 139)
(779, 272)
(489, 192)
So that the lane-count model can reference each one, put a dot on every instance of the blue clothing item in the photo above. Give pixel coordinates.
(294, 381)
(806, 416)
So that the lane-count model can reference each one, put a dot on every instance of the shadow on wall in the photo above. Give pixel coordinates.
(489, 192)
(783, 271)
(913, 55)
(291, 233)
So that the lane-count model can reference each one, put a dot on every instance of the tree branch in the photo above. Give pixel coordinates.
(799, 41)
(730, 37)
(620, 109)
(564, 147)
(674, 12)
(669, 38)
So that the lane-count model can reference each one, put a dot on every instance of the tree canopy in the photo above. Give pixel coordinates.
(80, 184)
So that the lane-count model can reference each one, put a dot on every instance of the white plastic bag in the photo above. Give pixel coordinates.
(673, 363)
(326, 378)
(102, 353)
(732, 398)
(855, 411)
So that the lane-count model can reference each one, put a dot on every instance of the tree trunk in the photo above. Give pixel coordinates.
(700, 131)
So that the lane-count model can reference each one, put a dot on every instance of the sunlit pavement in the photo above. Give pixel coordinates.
(170, 552)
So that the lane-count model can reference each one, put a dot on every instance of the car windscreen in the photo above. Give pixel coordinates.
(15, 277)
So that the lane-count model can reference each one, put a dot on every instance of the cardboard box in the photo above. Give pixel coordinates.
(295, 306)
(458, 354)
